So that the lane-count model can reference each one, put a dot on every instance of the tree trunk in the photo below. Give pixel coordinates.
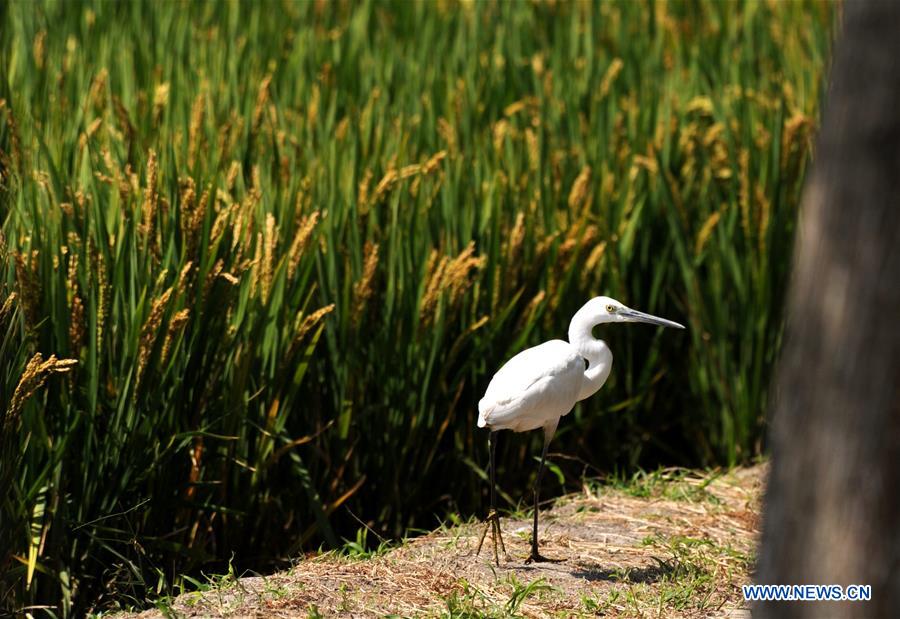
(832, 513)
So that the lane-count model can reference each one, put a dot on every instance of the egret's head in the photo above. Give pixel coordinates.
(607, 310)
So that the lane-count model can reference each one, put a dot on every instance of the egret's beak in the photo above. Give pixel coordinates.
(636, 316)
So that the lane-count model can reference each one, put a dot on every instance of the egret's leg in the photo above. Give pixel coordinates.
(493, 519)
(535, 554)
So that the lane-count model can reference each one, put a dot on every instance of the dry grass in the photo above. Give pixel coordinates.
(671, 544)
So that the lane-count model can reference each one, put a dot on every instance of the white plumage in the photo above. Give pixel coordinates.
(535, 386)
(542, 384)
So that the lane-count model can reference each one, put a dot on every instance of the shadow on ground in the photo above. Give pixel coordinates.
(647, 574)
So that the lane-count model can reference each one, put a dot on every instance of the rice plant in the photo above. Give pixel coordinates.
(257, 259)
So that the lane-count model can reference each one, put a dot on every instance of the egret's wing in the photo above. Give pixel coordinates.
(535, 386)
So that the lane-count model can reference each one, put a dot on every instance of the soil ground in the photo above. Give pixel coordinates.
(668, 544)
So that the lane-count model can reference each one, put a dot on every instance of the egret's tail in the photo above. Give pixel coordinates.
(483, 409)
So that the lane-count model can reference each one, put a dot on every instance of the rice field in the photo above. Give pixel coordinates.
(259, 261)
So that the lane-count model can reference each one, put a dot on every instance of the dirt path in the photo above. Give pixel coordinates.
(667, 545)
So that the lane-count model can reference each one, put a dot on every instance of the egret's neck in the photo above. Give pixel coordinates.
(596, 351)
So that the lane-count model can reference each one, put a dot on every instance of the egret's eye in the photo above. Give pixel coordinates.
(611, 309)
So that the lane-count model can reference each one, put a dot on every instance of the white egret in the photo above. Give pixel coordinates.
(541, 384)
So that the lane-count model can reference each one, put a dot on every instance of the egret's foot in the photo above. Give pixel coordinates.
(536, 557)
(493, 522)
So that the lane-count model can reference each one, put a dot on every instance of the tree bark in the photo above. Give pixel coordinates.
(832, 510)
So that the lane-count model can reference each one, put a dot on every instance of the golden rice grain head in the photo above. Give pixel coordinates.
(534, 303)
(186, 204)
(120, 177)
(103, 292)
(312, 112)
(514, 108)
(92, 128)
(430, 264)
(516, 238)
(457, 278)
(533, 149)
(609, 78)
(384, 185)
(199, 215)
(546, 243)
(237, 230)
(447, 133)
(362, 194)
(149, 331)
(160, 101)
(499, 131)
(7, 307)
(14, 140)
(39, 49)
(98, 90)
(29, 382)
(591, 232)
(580, 188)
(434, 162)
(29, 289)
(434, 274)
(409, 170)
(195, 137)
(340, 132)
(537, 64)
(270, 243)
(362, 289)
(594, 257)
(76, 324)
(796, 137)
(233, 171)
(256, 186)
(262, 97)
(256, 264)
(310, 321)
(706, 231)
(151, 196)
(231, 279)
(36, 373)
(179, 319)
(212, 275)
(133, 181)
(72, 275)
(60, 366)
(123, 119)
(647, 163)
(182, 286)
(700, 105)
(300, 242)
(566, 247)
(220, 223)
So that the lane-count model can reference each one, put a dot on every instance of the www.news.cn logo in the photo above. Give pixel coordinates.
(807, 593)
